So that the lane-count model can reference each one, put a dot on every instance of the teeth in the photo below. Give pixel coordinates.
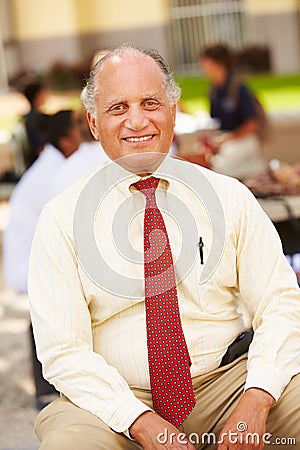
(140, 139)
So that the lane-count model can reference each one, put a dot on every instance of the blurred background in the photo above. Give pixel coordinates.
(55, 41)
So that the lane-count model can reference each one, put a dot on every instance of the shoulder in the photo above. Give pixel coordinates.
(203, 179)
(241, 87)
(66, 201)
(237, 83)
(245, 91)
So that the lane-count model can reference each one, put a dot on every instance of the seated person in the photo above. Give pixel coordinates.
(26, 202)
(89, 156)
(135, 334)
(236, 150)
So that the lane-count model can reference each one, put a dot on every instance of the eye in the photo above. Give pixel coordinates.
(118, 109)
(151, 104)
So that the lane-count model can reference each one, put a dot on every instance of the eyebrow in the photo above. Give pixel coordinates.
(117, 101)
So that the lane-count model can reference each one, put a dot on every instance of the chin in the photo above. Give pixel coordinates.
(142, 163)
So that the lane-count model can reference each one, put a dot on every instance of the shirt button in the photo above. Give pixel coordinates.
(116, 421)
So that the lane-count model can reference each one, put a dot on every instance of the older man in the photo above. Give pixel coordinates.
(133, 317)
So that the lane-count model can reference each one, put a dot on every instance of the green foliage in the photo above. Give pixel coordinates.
(276, 92)
(193, 87)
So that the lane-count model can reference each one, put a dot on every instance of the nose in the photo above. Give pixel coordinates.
(136, 118)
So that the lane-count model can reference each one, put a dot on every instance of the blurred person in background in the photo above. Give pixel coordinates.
(235, 150)
(28, 198)
(90, 153)
(89, 156)
(37, 93)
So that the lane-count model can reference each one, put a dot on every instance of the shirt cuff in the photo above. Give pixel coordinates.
(128, 435)
(269, 378)
(121, 413)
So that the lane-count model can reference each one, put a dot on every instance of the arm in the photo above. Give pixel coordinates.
(62, 327)
(17, 240)
(269, 289)
(249, 126)
(24, 210)
(248, 114)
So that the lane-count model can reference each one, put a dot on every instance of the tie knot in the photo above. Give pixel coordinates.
(147, 186)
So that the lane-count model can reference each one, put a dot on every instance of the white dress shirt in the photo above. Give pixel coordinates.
(26, 202)
(89, 322)
(49, 175)
(89, 156)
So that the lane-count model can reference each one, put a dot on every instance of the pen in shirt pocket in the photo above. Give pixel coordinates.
(201, 245)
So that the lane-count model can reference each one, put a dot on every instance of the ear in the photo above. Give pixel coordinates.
(93, 125)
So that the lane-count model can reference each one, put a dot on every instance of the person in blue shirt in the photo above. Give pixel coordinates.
(236, 147)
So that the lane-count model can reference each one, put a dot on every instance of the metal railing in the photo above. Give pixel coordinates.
(197, 23)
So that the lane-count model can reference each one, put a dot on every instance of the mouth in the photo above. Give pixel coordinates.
(136, 139)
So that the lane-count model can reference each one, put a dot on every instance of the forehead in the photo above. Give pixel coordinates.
(127, 75)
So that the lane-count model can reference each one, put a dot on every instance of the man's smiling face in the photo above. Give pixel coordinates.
(134, 115)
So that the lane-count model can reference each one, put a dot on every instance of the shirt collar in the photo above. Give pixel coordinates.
(164, 180)
(163, 183)
(52, 152)
(124, 179)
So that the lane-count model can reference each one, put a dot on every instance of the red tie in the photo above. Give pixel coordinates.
(169, 361)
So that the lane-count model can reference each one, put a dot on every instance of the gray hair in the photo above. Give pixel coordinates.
(90, 91)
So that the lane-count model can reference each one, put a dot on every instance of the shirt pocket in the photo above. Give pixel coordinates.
(225, 274)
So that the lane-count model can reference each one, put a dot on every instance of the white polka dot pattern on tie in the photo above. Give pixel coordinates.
(169, 361)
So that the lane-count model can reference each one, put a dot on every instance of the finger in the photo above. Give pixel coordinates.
(181, 445)
(190, 446)
(222, 447)
(222, 443)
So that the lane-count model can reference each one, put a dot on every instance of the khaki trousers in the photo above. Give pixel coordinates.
(64, 426)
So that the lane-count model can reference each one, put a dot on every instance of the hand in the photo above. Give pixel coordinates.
(155, 433)
(222, 138)
(248, 418)
(209, 146)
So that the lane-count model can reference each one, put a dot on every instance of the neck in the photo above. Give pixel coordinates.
(222, 77)
(144, 174)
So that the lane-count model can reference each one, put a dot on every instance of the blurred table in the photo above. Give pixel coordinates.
(277, 208)
(284, 211)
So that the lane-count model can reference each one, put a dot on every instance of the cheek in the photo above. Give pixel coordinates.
(108, 128)
(166, 122)
(106, 133)
(162, 117)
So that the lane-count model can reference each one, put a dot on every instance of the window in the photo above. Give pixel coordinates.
(197, 23)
